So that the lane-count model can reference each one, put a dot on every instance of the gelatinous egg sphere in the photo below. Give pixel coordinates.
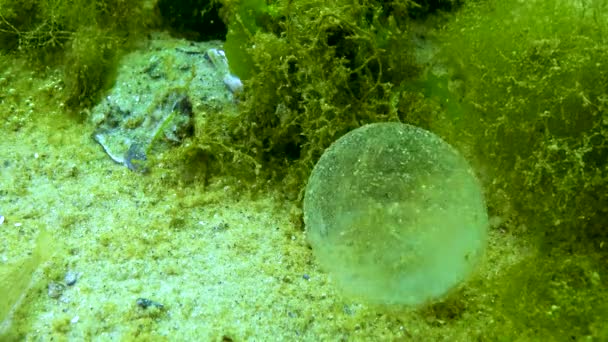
(395, 214)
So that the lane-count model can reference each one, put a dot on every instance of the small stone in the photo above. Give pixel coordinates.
(55, 289)
(70, 278)
(1, 219)
(233, 83)
(146, 303)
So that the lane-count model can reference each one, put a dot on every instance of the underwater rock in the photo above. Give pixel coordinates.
(145, 303)
(55, 289)
(150, 108)
(70, 278)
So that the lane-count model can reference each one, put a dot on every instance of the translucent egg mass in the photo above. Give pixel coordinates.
(395, 215)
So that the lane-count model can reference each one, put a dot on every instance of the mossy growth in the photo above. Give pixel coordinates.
(556, 296)
(534, 84)
(313, 71)
(80, 38)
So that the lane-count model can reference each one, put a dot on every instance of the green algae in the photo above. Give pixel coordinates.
(84, 38)
(538, 124)
(243, 22)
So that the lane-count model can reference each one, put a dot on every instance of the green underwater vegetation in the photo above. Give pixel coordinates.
(80, 39)
(520, 88)
(536, 83)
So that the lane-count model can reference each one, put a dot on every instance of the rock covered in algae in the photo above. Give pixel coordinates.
(394, 214)
(150, 107)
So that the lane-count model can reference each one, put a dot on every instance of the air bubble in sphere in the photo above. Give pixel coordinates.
(395, 214)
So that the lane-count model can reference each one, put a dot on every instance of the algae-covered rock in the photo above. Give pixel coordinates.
(157, 91)
(395, 214)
